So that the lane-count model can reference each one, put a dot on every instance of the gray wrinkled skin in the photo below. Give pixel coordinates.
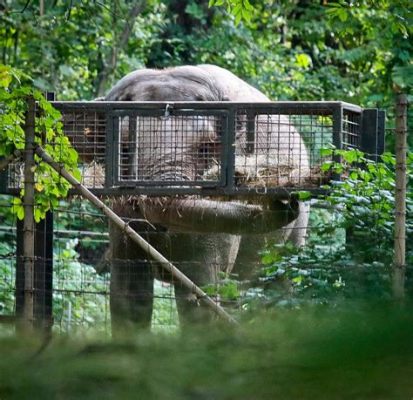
(199, 255)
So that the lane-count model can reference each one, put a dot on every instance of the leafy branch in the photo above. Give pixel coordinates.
(350, 246)
(240, 9)
(15, 88)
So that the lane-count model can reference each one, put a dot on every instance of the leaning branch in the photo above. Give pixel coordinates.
(151, 251)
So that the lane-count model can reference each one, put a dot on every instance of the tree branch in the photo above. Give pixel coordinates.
(112, 57)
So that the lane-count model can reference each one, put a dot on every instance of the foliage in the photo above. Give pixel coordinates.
(241, 9)
(300, 50)
(333, 266)
(225, 290)
(352, 51)
(74, 48)
(49, 186)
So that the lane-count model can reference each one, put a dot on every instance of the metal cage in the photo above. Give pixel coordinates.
(212, 148)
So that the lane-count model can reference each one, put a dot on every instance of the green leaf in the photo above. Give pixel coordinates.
(403, 76)
(326, 166)
(19, 210)
(5, 76)
(304, 195)
(303, 60)
(326, 152)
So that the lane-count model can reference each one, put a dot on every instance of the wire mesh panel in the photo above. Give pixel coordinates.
(351, 134)
(169, 149)
(274, 150)
(87, 130)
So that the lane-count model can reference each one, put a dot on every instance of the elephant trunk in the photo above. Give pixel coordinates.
(206, 216)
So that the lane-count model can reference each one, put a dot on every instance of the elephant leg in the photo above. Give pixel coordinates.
(249, 260)
(131, 284)
(190, 310)
(131, 295)
(298, 234)
(201, 258)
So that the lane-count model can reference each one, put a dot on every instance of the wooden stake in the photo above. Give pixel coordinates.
(28, 222)
(151, 251)
(400, 198)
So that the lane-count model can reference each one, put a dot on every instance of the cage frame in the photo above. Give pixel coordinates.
(372, 128)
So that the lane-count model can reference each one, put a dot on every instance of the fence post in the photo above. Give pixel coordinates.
(34, 268)
(26, 253)
(400, 198)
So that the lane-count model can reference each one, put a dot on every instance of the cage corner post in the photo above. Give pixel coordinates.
(34, 266)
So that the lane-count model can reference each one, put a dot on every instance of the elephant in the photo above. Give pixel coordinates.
(201, 236)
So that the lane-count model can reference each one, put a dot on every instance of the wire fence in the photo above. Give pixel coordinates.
(211, 187)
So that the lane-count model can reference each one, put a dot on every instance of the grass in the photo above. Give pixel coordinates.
(358, 353)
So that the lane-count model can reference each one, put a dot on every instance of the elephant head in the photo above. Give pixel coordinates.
(173, 149)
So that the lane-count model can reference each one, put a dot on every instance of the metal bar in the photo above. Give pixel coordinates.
(50, 96)
(281, 193)
(337, 135)
(60, 232)
(228, 155)
(19, 270)
(112, 133)
(132, 137)
(381, 128)
(281, 105)
(369, 129)
(250, 132)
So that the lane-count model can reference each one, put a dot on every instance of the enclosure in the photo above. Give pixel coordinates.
(131, 153)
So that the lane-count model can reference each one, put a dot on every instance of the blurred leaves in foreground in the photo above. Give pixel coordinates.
(363, 352)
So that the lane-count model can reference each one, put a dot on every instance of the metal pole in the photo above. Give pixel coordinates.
(400, 198)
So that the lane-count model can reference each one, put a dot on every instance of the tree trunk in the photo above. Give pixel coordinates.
(112, 58)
